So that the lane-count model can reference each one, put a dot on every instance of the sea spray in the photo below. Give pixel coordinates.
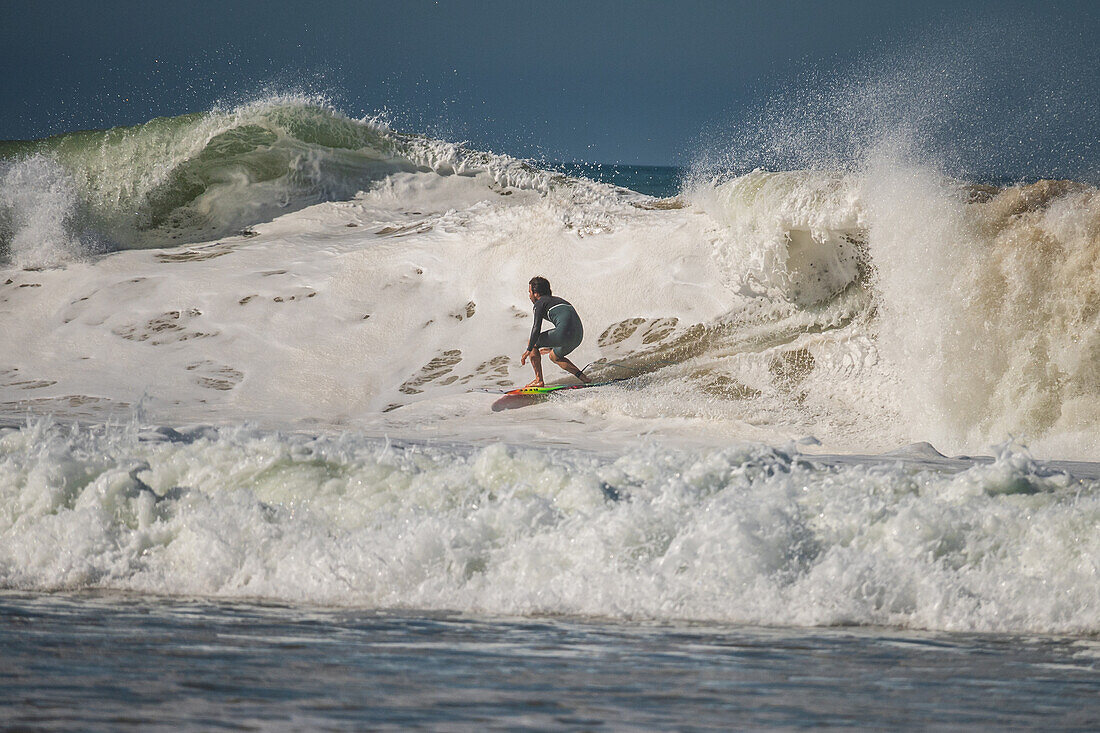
(40, 214)
(980, 298)
(795, 233)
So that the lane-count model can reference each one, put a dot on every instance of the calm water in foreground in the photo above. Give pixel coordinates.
(112, 662)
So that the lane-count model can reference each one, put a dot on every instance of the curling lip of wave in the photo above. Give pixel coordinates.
(206, 175)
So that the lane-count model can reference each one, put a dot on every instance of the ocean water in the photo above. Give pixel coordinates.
(251, 430)
(124, 662)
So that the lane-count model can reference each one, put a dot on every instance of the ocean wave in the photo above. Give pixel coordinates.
(202, 176)
(983, 298)
(868, 307)
(800, 234)
(744, 534)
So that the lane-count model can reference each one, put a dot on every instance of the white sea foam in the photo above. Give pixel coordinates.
(739, 534)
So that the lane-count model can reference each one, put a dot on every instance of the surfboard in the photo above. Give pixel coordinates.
(524, 396)
(551, 388)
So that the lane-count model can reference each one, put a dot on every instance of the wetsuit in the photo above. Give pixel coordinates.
(567, 332)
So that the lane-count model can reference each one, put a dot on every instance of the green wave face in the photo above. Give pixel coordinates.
(199, 176)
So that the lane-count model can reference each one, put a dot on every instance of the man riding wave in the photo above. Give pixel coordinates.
(558, 341)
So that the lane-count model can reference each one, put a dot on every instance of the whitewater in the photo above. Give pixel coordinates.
(247, 354)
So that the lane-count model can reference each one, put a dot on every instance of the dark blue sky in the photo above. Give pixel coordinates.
(631, 82)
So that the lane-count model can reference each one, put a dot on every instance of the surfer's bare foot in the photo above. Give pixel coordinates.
(535, 383)
(584, 379)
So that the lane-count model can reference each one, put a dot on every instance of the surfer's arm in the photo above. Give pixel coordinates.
(536, 329)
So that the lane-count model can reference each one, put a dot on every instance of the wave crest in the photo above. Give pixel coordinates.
(201, 176)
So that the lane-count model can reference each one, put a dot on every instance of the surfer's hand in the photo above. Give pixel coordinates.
(523, 359)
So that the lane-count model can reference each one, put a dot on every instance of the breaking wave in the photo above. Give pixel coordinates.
(870, 306)
(202, 176)
(745, 534)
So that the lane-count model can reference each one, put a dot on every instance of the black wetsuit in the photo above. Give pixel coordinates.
(567, 332)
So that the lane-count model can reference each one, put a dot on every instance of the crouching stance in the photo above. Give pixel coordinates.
(558, 341)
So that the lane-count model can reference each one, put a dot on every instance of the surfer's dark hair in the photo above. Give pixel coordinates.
(540, 286)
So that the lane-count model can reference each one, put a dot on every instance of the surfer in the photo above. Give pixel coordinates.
(557, 342)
